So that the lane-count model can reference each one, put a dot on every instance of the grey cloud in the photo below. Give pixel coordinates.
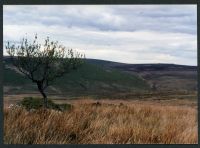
(123, 30)
(126, 18)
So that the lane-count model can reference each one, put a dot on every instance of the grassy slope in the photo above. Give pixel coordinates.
(89, 79)
(13, 78)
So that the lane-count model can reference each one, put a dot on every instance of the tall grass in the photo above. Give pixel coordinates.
(104, 123)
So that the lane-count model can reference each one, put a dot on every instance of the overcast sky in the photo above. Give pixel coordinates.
(122, 33)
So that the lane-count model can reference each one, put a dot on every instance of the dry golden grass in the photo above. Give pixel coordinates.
(107, 123)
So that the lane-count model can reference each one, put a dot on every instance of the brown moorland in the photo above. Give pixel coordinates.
(103, 122)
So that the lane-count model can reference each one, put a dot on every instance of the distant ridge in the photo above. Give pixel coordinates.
(122, 63)
(170, 77)
(104, 62)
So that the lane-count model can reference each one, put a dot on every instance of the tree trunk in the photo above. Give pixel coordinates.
(41, 90)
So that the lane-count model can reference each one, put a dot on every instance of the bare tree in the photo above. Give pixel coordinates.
(43, 64)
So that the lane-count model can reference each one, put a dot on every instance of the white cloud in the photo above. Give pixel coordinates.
(132, 34)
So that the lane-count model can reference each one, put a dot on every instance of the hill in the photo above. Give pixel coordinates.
(165, 77)
(90, 79)
(100, 77)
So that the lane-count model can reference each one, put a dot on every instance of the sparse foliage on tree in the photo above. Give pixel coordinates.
(43, 64)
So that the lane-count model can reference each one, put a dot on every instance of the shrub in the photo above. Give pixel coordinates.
(36, 103)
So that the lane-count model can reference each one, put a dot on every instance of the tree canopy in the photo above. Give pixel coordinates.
(43, 63)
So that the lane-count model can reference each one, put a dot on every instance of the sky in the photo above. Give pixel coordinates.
(121, 33)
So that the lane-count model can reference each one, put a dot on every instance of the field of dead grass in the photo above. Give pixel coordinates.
(105, 122)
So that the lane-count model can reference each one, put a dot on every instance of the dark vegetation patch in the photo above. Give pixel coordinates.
(37, 103)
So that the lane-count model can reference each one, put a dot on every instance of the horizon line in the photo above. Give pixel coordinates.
(130, 63)
(141, 63)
